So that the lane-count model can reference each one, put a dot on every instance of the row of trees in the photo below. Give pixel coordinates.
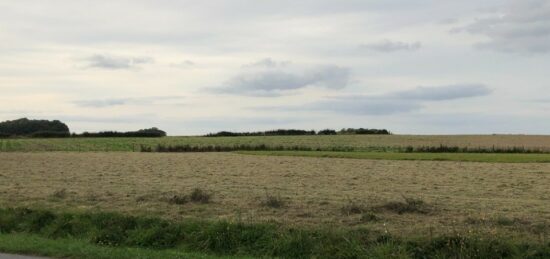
(33, 128)
(57, 129)
(296, 132)
(279, 132)
(365, 131)
(143, 133)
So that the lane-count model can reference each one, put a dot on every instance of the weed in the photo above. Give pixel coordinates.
(59, 194)
(504, 221)
(352, 207)
(178, 199)
(273, 201)
(369, 217)
(410, 205)
(200, 196)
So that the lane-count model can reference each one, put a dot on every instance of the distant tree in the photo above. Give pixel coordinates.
(142, 133)
(278, 132)
(327, 132)
(365, 131)
(34, 128)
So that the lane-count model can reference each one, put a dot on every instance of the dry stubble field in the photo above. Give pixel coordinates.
(511, 199)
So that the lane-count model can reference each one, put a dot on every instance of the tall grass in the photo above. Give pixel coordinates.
(455, 149)
(408, 149)
(237, 238)
(237, 147)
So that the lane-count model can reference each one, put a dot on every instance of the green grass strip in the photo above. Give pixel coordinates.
(111, 235)
(464, 157)
(32, 244)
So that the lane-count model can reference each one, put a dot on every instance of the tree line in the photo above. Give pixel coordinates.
(143, 133)
(296, 132)
(57, 129)
(33, 128)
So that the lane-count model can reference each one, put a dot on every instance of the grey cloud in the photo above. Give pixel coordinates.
(394, 102)
(101, 103)
(450, 92)
(116, 62)
(391, 46)
(278, 82)
(268, 63)
(522, 26)
(184, 64)
(365, 106)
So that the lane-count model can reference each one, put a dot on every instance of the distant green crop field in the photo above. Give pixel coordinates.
(464, 157)
(357, 142)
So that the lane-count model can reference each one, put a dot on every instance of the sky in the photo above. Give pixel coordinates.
(194, 67)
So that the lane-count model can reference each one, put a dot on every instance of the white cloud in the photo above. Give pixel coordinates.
(391, 46)
(101, 103)
(115, 62)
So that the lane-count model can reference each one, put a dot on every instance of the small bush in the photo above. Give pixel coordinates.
(200, 196)
(60, 194)
(273, 201)
(352, 207)
(178, 199)
(369, 217)
(410, 205)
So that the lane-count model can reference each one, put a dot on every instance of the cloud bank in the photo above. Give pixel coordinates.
(274, 79)
(395, 102)
(115, 62)
(102, 103)
(391, 46)
(521, 26)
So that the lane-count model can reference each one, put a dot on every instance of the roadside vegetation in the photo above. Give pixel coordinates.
(109, 234)
(36, 244)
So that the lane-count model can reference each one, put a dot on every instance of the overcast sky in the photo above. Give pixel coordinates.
(193, 67)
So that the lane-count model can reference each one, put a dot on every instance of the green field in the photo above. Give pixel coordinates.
(465, 157)
(355, 142)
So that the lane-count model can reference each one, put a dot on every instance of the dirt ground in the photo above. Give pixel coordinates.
(460, 196)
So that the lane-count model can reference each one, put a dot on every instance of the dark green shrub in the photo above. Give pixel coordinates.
(179, 199)
(273, 201)
(157, 235)
(200, 196)
(369, 217)
(352, 207)
(410, 205)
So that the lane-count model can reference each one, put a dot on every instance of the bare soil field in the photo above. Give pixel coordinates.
(453, 196)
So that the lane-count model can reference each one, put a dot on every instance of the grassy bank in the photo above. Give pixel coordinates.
(35, 244)
(109, 235)
(465, 157)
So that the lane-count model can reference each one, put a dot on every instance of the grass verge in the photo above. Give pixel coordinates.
(109, 235)
(463, 157)
(33, 244)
